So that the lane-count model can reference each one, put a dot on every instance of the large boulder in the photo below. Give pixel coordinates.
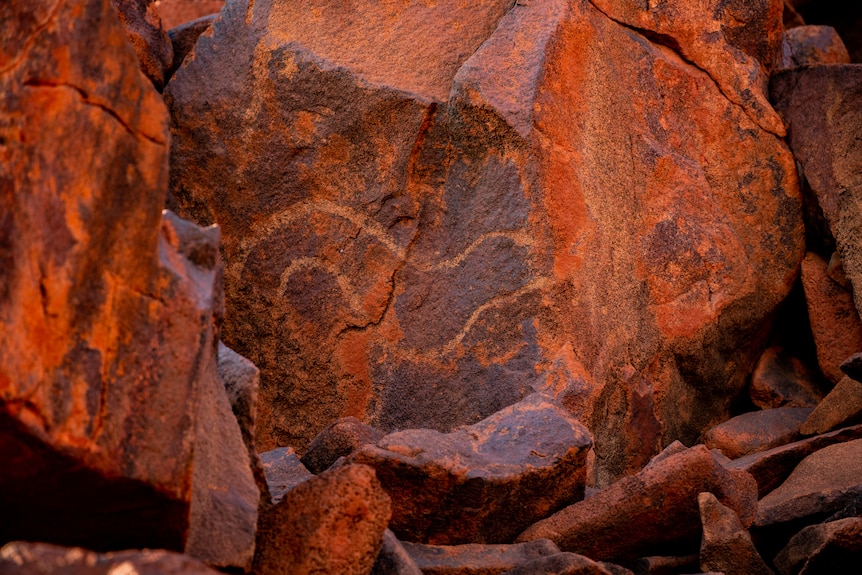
(107, 327)
(541, 197)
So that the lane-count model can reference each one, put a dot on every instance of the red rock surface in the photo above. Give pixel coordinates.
(757, 431)
(176, 12)
(841, 407)
(726, 546)
(833, 547)
(422, 235)
(148, 37)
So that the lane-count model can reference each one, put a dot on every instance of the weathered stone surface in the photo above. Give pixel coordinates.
(791, 17)
(148, 37)
(665, 564)
(283, 471)
(804, 45)
(834, 320)
(477, 559)
(821, 105)
(422, 235)
(841, 407)
(484, 483)
(643, 513)
(756, 431)
(823, 483)
(834, 547)
(393, 559)
(177, 12)
(183, 39)
(770, 468)
(726, 545)
(338, 439)
(241, 380)
(780, 380)
(332, 523)
(107, 332)
(44, 559)
(561, 564)
(852, 366)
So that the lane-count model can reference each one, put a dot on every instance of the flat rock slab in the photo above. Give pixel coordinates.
(757, 431)
(822, 483)
(781, 380)
(771, 467)
(833, 547)
(640, 514)
(726, 545)
(842, 406)
(486, 482)
(477, 559)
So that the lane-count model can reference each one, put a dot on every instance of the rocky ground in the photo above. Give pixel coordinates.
(535, 287)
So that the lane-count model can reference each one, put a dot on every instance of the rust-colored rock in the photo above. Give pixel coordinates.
(423, 235)
(821, 105)
(780, 380)
(771, 467)
(477, 559)
(834, 320)
(757, 431)
(44, 559)
(804, 45)
(148, 37)
(833, 547)
(654, 509)
(484, 483)
(339, 439)
(177, 12)
(332, 523)
(841, 407)
(107, 331)
(726, 545)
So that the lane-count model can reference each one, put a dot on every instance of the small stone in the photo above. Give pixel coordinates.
(726, 545)
(284, 471)
(338, 439)
(756, 431)
(780, 379)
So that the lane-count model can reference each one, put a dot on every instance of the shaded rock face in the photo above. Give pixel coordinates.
(812, 45)
(456, 559)
(424, 236)
(779, 379)
(833, 547)
(486, 482)
(726, 545)
(106, 329)
(148, 37)
(757, 431)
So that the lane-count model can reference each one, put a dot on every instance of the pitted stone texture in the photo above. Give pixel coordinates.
(804, 45)
(477, 559)
(339, 439)
(423, 246)
(644, 513)
(332, 523)
(757, 431)
(780, 380)
(726, 545)
(484, 483)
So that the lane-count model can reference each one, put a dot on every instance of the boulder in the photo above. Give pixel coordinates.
(756, 431)
(148, 37)
(834, 547)
(393, 559)
(421, 236)
(771, 467)
(283, 471)
(562, 564)
(804, 45)
(780, 379)
(726, 545)
(332, 523)
(486, 482)
(820, 103)
(834, 320)
(653, 510)
(841, 407)
(822, 483)
(477, 559)
(45, 559)
(339, 439)
(177, 12)
(107, 326)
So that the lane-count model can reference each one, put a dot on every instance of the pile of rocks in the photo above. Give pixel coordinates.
(493, 264)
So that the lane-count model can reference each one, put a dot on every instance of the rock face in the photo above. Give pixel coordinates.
(107, 328)
(834, 547)
(332, 523)
(484, 483)
(841, 407)
(656, 507)
(425, 234)
(726, 546)
(756, 431)
(148, 37)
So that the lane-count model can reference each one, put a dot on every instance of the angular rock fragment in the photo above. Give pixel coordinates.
(332, 523)
(756, 431)
(562, 564)
(45, 559)
(339, 439)
(484, 483)
(781, 380)
(822, 483)
(476, 558)
(726, 545)
(393, 559)
(420, 235)
(283, 471)
(834, 547)
(834, 320)
(771, 467)
(183, 39)
(804, 45)
(655, 509)
(852, 366)
(841, 407)
(148, 37)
